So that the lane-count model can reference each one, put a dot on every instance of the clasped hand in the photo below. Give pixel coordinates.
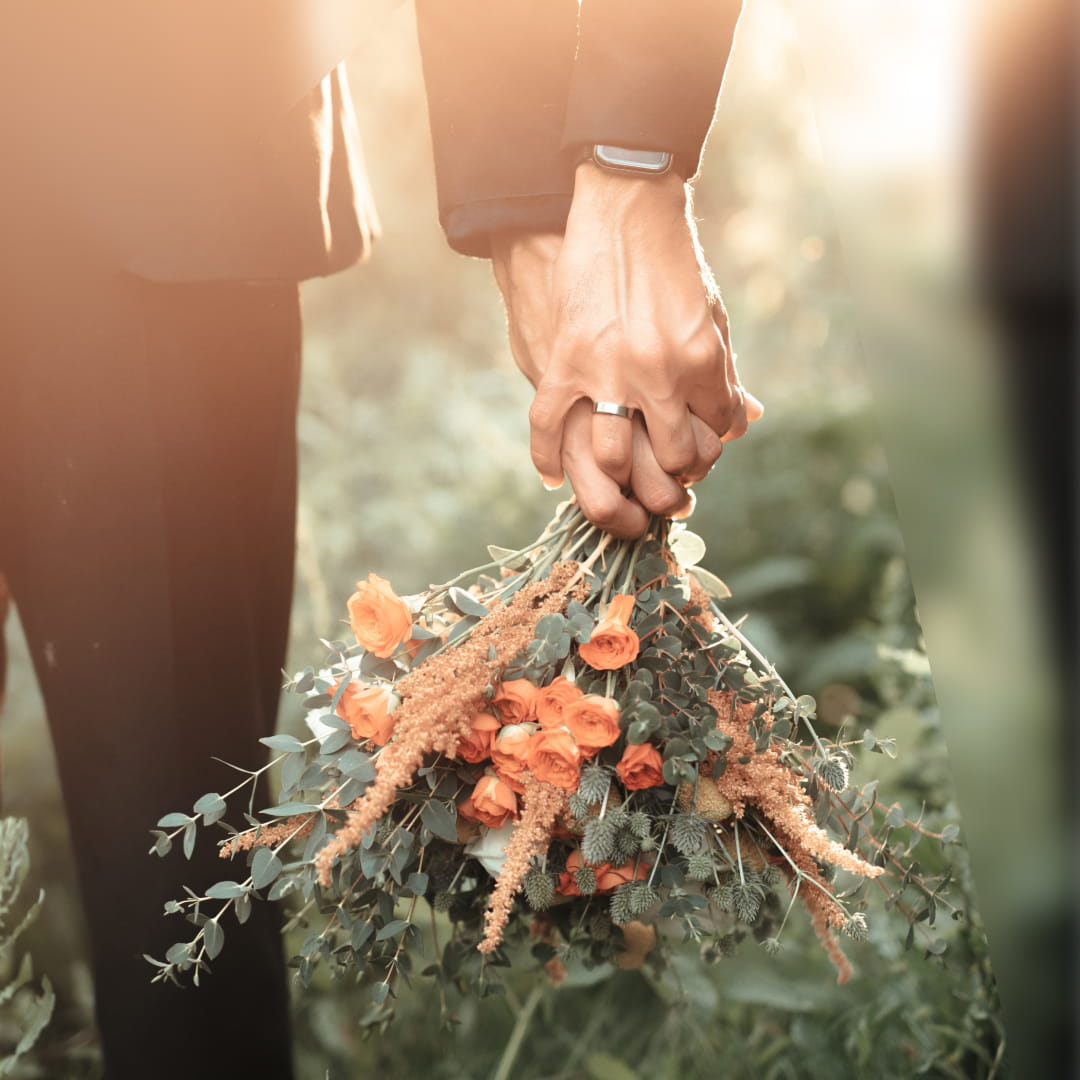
(621, 308)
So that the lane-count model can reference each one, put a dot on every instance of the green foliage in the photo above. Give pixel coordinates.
(24, 1009)
(413, 431)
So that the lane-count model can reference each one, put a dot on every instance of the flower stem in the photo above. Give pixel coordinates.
(517, 1036)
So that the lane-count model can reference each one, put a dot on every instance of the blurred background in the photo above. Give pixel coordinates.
(836, 206)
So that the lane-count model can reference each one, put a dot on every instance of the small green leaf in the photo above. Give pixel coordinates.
(441, 820)
(466, 604)
(214, 938)
(265, 867)
(212, 807)
(718, 741)
(172, 821)
(287, 743)
(162, 844)
(711, 583)
(226, 890)
(180, 953)
(392, 929)
(335, 741)
(290, 808)
(688, 548)
(189, 839)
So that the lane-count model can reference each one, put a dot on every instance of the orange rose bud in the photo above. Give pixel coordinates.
(516, 701)
(593, 720)
(476, 746)
(641, 767)
(510, 752)
(366, 709)
(379, 618)
(612, 643)
(567, 886)
(608, 878)
(492, 803)
(554, 758)
(552, 700)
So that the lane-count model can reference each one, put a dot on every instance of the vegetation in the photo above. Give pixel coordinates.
(414, 438)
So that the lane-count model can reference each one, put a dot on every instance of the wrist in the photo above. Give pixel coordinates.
(596, 185)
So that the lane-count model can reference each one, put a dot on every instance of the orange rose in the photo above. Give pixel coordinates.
(554, 758)
(593, 720)
(641, 767)
(509, 753)
(552, 700)
(516, 701)
(492, 803)
(366, 709)
(379, 618)
(612, 643)
(476, 746)
(608, 878)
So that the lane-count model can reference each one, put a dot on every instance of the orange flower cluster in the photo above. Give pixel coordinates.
(548, 731)
(440, 698)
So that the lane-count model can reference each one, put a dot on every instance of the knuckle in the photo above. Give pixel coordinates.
(662, 498)
(601, 510)
(703, 353)
(677, 459)
(543, 412)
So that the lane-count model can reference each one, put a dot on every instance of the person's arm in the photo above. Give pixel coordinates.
(618, 309)
(497, 74)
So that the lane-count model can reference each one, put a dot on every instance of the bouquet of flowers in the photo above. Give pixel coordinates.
(571, 747)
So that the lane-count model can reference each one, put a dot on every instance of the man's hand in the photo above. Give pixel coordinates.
(622, 309)
(603, 501)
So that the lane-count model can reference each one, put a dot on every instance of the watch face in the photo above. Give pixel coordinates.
(621, 157)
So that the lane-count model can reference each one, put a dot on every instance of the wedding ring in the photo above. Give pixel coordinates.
(610, 408)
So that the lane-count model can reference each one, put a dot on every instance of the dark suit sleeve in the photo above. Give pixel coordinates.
(516, 86)
(647, 75)
(497, 75)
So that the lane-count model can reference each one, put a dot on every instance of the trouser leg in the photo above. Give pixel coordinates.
(148, 486)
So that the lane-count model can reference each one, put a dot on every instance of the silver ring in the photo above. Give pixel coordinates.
(610, 408)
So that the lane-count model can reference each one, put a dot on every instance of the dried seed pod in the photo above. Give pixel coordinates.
(710, 803)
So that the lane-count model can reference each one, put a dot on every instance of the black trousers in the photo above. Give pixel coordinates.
(147, 506)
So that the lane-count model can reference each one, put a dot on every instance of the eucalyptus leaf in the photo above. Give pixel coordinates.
(213, 938)
(441, 820)
(287, 743)
(265, 867)
(466, 604)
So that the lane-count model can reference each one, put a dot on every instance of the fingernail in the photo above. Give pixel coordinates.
(551, 483)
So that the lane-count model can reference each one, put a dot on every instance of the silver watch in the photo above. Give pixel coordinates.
(626, 160)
